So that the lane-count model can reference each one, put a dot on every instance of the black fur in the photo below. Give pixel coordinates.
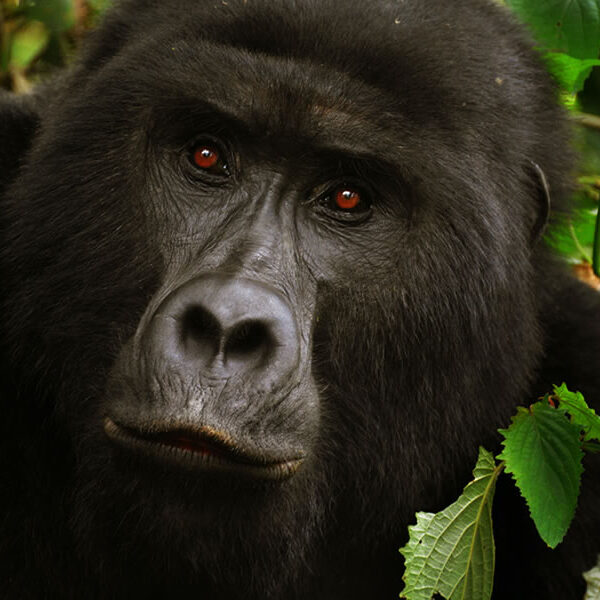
(421, 328)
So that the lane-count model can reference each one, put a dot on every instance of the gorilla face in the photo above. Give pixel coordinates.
(267, 199)
(267, 264)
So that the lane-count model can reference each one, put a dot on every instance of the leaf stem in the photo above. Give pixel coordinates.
(578, 245)
(587, 120)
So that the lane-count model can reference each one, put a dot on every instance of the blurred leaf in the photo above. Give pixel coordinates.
(57, 15)
(96, 9)
(569, 26)
(587, 195)
(27, 43)
(99, 5)
(573, 236)
(588, 148)
(589, 98)
(570, 72)
(5, 42)
(574, 239)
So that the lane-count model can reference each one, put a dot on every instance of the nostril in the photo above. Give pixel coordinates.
(248, 340)
(200, 333)
(220, 327)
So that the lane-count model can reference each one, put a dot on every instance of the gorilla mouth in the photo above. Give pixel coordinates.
(205, 449)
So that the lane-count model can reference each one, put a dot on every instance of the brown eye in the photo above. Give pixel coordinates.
(346, 202)
(210, 158)
(346, 198)
(349, 201)
(206, 157)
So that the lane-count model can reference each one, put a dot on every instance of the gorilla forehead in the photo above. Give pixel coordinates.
(265, 96)
(332, 71)
(377, 45)
(274, 97)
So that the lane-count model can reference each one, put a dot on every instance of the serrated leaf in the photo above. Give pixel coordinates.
(452, 552)
(581, 414)
(543, 453)
(570, 26)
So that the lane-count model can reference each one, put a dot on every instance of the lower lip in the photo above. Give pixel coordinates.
(200, 459)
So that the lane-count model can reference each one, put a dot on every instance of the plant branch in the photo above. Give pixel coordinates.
(587, 120)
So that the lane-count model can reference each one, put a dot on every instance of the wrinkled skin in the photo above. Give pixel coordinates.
(271, 274)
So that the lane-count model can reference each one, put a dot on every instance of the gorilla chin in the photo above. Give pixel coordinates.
(271, 273)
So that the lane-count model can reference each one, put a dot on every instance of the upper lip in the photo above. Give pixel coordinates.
(204, 448)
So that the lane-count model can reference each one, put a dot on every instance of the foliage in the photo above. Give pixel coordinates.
(542, 451)
(568, 26)
(573, 404)
(544, 445)
(37, 35)
(568, 33)
(452, 553)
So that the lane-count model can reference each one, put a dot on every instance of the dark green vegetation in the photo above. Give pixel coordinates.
(452, 553)
(36, 36)
(568, 34)
(271, 274)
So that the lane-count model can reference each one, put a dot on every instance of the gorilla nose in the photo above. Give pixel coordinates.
(221, 326)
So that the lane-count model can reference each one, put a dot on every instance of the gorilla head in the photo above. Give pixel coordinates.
(268, 283)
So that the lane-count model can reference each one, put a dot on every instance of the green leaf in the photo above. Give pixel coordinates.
(570, 72)
(569, 26)
(27, 43)
(543, 452)
(452, 552)
(573, 235)
(581, 414)
(57, 15)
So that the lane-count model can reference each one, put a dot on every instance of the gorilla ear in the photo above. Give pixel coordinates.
(544, 204)
(18, 123)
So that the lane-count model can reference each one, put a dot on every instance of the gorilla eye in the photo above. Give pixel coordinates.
(349, 203)
(208, 157)
(347, 199)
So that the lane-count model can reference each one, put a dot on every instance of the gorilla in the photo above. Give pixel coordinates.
(271, 273)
